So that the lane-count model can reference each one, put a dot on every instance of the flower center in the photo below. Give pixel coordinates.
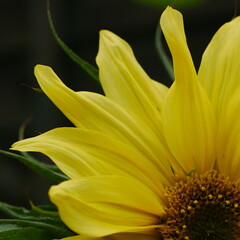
(203, 207)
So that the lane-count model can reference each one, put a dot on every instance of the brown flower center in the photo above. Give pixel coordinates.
(203, 207)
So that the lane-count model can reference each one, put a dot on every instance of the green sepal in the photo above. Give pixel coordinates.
(162, 54)
(48, 171)
(13, 232)
(87, 67)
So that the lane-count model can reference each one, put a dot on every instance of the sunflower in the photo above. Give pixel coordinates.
(146, 161)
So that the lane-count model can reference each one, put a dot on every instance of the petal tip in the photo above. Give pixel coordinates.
(170, 17)
(18, 146)
(42, 70)
(40, 67)
(104, 32)
(108, 37)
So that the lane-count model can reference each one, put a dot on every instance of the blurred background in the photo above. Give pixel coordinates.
(26, 40)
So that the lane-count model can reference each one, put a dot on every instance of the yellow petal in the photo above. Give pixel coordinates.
(188, 118)
(125, 82)
(80, 153)
(229, 139)
(96, 112)
(99, 206)
(131, 130)
(219, 71)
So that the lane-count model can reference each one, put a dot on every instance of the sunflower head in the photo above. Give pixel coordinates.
(131, 155)
(203, 207)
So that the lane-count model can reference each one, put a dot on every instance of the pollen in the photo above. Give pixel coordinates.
(202, 207)
(182, 211)
(195, 202)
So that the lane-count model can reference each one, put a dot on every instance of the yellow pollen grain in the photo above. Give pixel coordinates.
(186, 238)
(195, 202)
(184, 226)
(210, 196)
(203, 188)
(189, 207)
(235, 205)
(227, 202)
(182, 211)
(220, 196)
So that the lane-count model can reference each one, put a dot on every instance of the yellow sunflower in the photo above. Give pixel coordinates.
(147, 162)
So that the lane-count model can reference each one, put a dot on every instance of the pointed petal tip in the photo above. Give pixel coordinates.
(108, 45)
(14, 146)
(168, 12)
(171, 21)
(19, 145)
(104, 32)
(169, 8)
(109, 38)
(106, 35)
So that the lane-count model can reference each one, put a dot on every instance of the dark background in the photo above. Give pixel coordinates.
(26, 40)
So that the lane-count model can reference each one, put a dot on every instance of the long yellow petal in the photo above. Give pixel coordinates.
(96, 112)
(219, 71)
(80, 153)
(228, 151)
(131, 130)
(125, 82)
(188, 118)
(103, 205)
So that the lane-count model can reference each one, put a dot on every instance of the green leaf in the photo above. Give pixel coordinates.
(20, 233)
(35, 214)
(161, 53)
(12, 211)
(87, 67)
(45, 218)
(56, 231)
(45, 170)
(7, 227)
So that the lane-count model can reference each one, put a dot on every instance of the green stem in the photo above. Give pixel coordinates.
(87, 67)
